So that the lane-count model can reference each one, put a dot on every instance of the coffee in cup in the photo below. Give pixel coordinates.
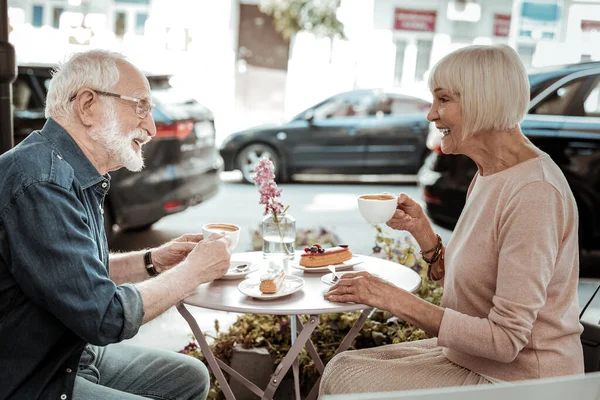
(377, 208)
(231, 231)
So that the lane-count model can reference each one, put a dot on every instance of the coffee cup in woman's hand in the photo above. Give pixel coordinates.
(377, 208)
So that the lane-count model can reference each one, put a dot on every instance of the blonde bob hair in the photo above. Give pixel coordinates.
(492, 84)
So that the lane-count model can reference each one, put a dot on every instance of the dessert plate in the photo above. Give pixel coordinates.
(234, 273)
(355, 260)
(250, 287)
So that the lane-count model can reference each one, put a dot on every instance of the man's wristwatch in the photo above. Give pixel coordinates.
(148, 263)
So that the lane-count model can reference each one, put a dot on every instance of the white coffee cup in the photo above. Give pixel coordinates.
(231, 231)
(377, 208)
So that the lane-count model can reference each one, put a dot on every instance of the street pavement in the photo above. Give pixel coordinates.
(317, 201)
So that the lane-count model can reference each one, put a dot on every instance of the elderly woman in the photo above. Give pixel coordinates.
(509, 309)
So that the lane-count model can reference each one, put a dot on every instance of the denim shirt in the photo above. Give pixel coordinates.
(55, 292)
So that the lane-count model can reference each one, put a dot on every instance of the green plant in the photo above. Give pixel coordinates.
(273, 332)
(317, 17)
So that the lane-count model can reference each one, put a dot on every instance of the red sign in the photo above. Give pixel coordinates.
(501, 25)
(588, 25)
(414, 20)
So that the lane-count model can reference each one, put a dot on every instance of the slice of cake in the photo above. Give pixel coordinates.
(316, 256)
(271, 281)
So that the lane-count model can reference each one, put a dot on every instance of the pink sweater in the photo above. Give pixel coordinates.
(512, 266)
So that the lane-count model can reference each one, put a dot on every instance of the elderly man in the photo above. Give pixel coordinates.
(64, 300)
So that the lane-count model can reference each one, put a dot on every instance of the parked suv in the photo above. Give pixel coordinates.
(563, 121)
(182, 164)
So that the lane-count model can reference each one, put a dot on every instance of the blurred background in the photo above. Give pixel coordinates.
(231, 58)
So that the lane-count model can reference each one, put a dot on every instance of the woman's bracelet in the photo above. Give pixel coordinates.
(438, 255)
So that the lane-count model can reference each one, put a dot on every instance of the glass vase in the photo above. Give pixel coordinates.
(279, 236)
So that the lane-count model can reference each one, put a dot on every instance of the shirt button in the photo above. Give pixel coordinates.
(63, 397)
(104, 185)
(69, 370)
(59, 157)
(101, 210)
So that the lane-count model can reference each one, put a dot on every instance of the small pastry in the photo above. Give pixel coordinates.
(315, 256)
(271, 282)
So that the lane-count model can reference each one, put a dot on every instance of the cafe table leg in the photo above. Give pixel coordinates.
(210, 358)
(295, 366)
(350, 336)
(290, 357)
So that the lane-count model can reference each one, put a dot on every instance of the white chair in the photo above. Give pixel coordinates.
(579, 387)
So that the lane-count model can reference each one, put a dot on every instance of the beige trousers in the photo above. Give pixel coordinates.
(403, 366)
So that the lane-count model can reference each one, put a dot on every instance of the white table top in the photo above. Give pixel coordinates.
(224, 295)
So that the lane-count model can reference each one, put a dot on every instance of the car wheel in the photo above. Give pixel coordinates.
(249, 156)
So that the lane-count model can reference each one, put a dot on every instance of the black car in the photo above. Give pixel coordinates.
(358, 132)
(182, 163)
(563, 121)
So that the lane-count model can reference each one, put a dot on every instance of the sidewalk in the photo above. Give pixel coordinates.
(171, 332)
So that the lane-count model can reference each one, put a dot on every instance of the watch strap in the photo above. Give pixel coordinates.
(148, 264)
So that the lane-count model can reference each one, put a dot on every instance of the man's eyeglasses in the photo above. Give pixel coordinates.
(142, 108)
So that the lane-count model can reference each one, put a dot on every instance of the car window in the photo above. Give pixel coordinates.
(397, 105)
(591, 104)
(22, 94)
(559, 102)
(343, 106)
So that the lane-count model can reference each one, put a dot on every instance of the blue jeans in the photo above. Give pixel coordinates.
(124, 371)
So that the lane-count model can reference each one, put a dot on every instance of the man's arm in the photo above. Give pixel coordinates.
(209, 260)
(131, 267)
(128, 267)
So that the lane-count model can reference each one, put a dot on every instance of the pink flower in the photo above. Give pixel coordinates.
(264, 177)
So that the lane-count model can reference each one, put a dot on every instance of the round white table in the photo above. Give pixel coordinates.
(224, 295)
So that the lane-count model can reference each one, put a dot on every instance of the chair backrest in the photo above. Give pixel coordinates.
(580, 387)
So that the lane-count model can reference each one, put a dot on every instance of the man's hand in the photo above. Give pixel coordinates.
(210, 259)
(172, 253)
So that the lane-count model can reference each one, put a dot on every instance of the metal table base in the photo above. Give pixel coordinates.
(289, 361)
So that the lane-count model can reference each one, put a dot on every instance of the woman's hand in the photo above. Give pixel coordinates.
(409, 215)
(363, 288)
(172, 253)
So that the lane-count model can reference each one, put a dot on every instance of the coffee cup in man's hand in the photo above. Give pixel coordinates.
(230, 231)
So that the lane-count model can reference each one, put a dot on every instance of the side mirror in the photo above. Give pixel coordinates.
(309, 116)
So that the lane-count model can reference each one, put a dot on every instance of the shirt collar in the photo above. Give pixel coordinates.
(63, 143)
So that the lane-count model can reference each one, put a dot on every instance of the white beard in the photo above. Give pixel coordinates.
(118, 146)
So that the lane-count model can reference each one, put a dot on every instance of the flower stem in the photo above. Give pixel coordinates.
(287, 252)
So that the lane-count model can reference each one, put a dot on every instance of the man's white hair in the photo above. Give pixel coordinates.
(95, 69)
(492, 83)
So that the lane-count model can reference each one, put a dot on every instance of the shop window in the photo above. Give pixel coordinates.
(399, 65)
(56, 16)
(38, 16)
(140, 23)
(120, 24)
(423, 58)
(526, 52)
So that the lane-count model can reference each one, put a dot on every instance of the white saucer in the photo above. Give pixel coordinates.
(250, 287)
(233, 273)
(338, 267)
